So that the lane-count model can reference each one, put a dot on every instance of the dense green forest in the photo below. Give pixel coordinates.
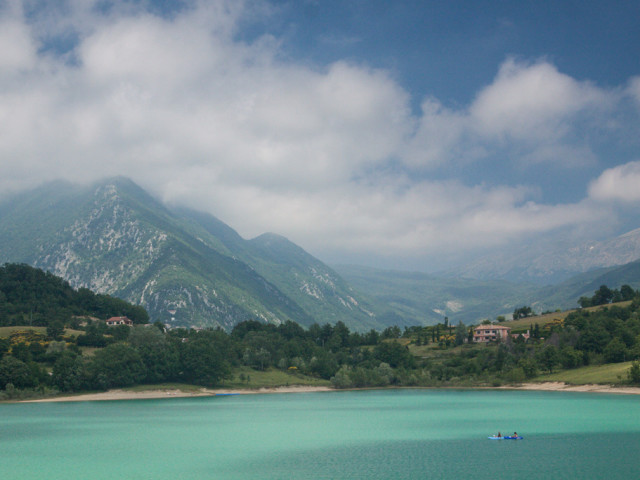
(30, 296)
(54, 339)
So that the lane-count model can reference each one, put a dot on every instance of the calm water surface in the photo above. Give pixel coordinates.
(389, 434)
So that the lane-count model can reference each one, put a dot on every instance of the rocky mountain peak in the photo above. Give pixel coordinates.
(114, 238)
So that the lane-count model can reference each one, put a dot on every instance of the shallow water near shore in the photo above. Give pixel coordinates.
(386, 434)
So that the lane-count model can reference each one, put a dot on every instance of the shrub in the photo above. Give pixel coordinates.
(633, 375)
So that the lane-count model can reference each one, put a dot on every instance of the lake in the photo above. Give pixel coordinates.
(384, 434)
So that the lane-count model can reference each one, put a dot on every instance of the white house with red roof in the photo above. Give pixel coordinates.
(115, 321)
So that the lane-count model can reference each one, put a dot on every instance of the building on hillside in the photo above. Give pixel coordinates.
(526, 335)
(490, 333)
(115, 321)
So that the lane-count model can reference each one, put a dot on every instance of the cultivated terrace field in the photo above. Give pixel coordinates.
(55, 340)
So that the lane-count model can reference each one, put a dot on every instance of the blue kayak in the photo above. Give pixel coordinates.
(506, 438)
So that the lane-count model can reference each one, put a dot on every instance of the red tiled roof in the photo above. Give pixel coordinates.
(492, 327)
(118, 319)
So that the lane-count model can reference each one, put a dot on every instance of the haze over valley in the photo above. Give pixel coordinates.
(188, 268)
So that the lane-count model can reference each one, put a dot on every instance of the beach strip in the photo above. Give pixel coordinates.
(119, 394)
(566, 387)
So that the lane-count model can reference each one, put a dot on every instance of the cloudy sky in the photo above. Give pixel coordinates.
(407, 134)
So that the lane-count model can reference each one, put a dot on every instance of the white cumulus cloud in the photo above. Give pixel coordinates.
(532, 102)
(621, 183)
(531, 113)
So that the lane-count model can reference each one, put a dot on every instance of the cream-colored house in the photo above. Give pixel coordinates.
(490, 333)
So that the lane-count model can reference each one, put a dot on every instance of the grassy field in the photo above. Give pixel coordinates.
(610, 373)
(183, 387)
(247, 378)
(89, 351)
(541, 320)
(6, 331)
(432, 350)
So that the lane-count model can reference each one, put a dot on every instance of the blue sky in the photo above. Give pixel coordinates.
(450, 49)
(409, 134)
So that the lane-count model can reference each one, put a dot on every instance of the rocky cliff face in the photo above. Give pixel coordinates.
(186, 268)
(104, 250)
(189, 268)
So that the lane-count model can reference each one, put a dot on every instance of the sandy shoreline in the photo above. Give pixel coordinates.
(118, 394)
(564, 387)
(205, 392)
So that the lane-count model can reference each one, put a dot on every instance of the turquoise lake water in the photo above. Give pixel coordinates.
(387, 434)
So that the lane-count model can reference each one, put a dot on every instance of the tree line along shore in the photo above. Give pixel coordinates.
(55, 340)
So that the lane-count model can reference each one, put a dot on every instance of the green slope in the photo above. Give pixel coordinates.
(185, 267)
(113, 237)
(566, 294)
(316, 288)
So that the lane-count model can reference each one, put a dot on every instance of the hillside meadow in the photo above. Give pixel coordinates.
(544, 319)
(608, 374)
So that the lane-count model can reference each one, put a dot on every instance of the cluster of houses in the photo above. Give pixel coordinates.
(481, 334)
(493, 333)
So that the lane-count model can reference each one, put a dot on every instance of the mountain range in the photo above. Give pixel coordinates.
(546, 263)
(429, 298)
(184, 267)
(187, 268)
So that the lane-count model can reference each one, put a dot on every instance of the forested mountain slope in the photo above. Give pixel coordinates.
(184, 267)
(32, 297)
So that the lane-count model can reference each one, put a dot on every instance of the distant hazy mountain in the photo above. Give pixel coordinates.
(566, 294)
(413, 298)
(546, 263)
(187, 266)
(418, 298)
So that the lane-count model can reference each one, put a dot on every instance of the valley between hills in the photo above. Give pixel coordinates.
(187, 268)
